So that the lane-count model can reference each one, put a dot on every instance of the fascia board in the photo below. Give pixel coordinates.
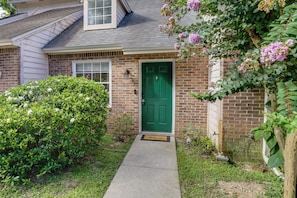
(148, 50)
(6, 43)
(84, 49)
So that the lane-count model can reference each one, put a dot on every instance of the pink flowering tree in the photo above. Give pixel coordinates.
(261, 35)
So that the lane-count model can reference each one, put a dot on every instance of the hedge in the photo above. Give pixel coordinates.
(49, 124)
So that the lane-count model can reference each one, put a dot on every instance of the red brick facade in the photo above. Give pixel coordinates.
(242, 112)
(190, 76)
(10, 68)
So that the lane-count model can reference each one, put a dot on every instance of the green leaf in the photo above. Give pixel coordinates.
(276, 160)
(258, 134)
(272, 142)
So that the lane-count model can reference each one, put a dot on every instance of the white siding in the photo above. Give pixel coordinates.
(34, 63)
(214, 109)
(121, 12)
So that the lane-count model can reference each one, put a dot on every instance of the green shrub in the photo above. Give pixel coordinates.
(47, 125)
(197, 139)
(123, 126)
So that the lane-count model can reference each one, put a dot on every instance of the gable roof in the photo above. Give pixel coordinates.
(31, 23)
(137, 33)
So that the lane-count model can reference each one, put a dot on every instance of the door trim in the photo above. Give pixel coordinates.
(140, 90)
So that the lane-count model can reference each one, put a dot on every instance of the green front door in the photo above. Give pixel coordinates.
(157, 97)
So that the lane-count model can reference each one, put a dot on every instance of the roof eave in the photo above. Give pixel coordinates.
(109, 48)
(6, 44)
(84, 49)
(154, 50)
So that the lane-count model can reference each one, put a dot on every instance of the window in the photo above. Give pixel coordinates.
(99, 14)
(97, 70)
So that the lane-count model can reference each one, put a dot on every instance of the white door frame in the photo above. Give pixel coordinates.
(140, 90)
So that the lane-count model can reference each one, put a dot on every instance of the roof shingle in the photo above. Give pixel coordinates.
(138, 30)
(17, 28)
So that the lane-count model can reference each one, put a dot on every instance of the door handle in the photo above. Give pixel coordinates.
(142, 98)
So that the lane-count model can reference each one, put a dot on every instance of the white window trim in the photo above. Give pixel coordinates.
(94, 61)
(113, 23)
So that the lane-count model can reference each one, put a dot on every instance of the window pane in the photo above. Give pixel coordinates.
(79, 67)
(79, 75)
(88, 67)
(91, 21)
(91, 12)
(91, 4)
(107, 3)
(107, 11)
(99, 11)
(106, 86)
(88, 76)
(96, 67)
(99, 20)
(104, 77)
(96, 77)
(107, 19)
(105, 66)
(91, 17)
(99, 3)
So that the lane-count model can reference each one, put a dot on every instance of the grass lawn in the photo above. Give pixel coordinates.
(89, 179)
(205, 177)
(199, 177)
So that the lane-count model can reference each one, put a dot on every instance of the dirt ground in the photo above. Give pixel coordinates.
(240, 189)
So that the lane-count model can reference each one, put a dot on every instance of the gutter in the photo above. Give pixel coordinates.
(7, 43)
(104, 48)
(276, 171)
(81, 49)
(153, 50)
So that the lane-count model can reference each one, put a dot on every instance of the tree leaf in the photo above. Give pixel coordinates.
(276, 160)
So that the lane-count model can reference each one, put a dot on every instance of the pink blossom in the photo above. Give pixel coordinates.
(242, 68)
(194, 5)
(182, 35)
(194, 38)
(289, 42)
(176, 46)
(165, 10)
(277, 51)
(165, 6)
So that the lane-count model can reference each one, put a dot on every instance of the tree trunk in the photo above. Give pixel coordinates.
(290, 156)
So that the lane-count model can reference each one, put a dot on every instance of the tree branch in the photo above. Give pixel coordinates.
(280, 138)
(254, 36)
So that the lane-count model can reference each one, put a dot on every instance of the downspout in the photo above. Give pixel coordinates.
(265, 158)
(265, 150)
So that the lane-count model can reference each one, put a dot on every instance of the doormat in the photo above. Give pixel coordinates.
(161, 138)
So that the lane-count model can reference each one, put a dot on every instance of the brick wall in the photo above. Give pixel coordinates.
(241, 113)
(10, 68)
(191, 76)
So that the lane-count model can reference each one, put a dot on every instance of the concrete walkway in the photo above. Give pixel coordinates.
(149, 170)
